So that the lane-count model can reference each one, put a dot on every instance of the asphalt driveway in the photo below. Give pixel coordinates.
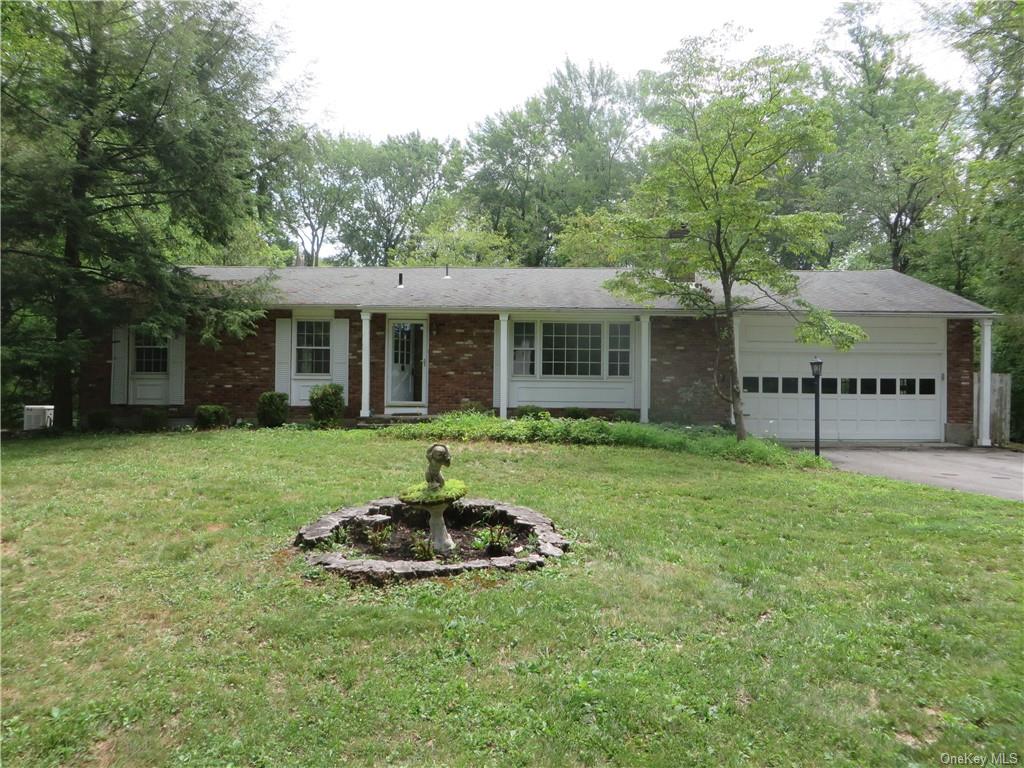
(993, 471)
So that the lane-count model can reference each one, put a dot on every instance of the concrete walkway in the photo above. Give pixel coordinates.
(992, 471)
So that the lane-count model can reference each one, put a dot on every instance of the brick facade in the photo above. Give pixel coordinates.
(461, 370)
(959, 376)
(683, 355)
(235, 375)
(461, 359)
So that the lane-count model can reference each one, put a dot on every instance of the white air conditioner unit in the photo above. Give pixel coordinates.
(38, 417)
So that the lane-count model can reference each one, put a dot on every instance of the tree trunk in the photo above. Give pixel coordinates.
(67, 319)
(735, 391)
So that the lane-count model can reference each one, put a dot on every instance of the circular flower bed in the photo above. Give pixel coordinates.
(386, 540)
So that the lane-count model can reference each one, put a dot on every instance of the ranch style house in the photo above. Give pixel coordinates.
(429, 340)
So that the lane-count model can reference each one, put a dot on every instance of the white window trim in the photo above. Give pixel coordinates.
(402, 406)
(132, 348)
(321, 316)
(538, 341)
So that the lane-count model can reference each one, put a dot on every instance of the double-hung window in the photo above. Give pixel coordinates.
(313, 347)
(150, 353)
(524, 349)
(571, 349)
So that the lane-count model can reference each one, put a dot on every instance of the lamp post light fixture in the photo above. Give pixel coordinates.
(816, 373)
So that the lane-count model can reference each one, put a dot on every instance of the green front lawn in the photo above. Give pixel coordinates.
(711, 612)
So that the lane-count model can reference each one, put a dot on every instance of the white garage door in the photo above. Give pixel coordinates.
(889, 388)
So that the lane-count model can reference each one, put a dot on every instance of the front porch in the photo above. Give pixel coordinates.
(406, 364)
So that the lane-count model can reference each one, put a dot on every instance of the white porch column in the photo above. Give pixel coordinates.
(364, 406)
(503, 365)
(645, 368)
(985, 382)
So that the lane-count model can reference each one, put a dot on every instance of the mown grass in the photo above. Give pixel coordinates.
(712, 612)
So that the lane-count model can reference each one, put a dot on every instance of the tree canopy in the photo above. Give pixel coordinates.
(127, 128)
(143, 135)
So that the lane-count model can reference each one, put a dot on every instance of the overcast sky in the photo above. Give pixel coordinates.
(381, 68)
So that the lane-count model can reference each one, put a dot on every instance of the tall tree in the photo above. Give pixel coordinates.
(399, 179)
(989, 220)
(710, 205)
(452, 234)
(578, 146)
(121, 119)
(895, 137)
(320, 187)
(511, 152)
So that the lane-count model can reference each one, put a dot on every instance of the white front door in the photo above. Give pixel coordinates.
(406, 366)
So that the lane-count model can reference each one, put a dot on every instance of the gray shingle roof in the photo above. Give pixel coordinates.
(490, 288)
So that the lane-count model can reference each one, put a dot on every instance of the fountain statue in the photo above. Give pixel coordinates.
(435, 495)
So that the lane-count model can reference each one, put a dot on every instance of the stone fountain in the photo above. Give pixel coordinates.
(435, 496)
(371, 543)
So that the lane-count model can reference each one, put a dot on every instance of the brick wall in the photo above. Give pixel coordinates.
(960, 371)
(461, 361)
(683, 352)
(234, 375)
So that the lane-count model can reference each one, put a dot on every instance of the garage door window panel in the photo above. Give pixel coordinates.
(750, 384)
(848, 386)
(926, 387)
(869, 386)
(770, 385)
(790, 385)
(887, 386)
(908, 386)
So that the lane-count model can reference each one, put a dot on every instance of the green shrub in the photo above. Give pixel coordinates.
(378, 538)
(494, 540)
(422, 549)
(153, 420)
(99, 421)
(272, 409)
(474, 406)
(327, 403)
(707, 441)
(577, 413)
(532, 412)
(211, 416)
(626, 416)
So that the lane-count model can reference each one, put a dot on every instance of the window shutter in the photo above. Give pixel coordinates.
(119, 366)
(339, 353)
(176, 370)
(283, 357)
(496, 369)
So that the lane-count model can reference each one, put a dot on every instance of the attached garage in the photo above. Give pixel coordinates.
(891, 387)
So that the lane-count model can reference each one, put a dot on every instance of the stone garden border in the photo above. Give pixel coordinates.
(550, 542)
